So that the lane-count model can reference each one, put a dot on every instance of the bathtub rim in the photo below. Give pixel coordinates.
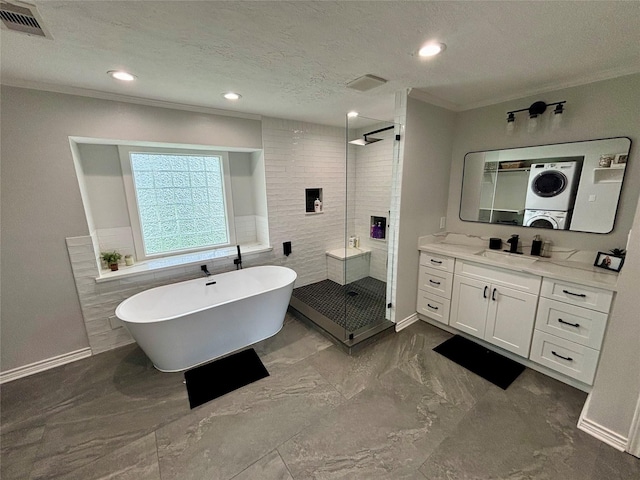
(165, 319)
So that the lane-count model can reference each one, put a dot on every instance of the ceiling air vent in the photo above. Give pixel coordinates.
(22, 18)
(366, 82)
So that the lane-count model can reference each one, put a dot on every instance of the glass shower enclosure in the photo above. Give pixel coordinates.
(354, 303)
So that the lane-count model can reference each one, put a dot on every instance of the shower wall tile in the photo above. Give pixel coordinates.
(298, 155)
(301, 155)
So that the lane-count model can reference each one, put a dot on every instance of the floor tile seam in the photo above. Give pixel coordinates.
(452, 431)
(155, 439)
(101, 456)
(284, 463)
(329, 382)
(38, 452)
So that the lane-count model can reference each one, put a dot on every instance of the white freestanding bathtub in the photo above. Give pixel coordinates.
(185, 324)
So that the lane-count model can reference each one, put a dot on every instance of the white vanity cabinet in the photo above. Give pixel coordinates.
(494, 304)
(435, 281)
(570, 327)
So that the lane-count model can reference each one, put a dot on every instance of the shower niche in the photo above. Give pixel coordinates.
(313, 200)
(354, 301)
(378, 229)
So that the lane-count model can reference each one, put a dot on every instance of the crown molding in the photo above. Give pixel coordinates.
(116, 97)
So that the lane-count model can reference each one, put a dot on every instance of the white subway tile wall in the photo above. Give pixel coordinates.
(373, 182)
(297, 156)
(301, 155)
(98, 301)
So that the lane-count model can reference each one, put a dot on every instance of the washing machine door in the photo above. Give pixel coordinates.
(549, 183)
(542, 221)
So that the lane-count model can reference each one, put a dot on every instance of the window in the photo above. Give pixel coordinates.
(179, 201)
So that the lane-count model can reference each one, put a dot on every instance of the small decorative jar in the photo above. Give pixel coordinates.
(605, 160)
(128, 260)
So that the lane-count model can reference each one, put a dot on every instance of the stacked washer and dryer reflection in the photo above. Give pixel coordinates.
(551, 194)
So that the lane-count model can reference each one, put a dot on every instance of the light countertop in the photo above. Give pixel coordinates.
(559, 267)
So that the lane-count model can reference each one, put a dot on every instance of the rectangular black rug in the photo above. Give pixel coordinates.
(491, 366)
(212, 380)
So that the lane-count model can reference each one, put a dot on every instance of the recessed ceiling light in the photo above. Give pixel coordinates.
(121, 75)
(232, 96)
(431, 49)
(352, 114)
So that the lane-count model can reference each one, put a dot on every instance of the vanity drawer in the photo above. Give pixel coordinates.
(524, 282)
(439, 262)
(435, 281)
(583, 296)
(576, 324)
(433, 306)
(569, 358)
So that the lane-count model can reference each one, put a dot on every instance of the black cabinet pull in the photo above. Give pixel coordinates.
(484, 294)
(582, 295)
(431, 306)
(577, 325)
(436, 261)
(493, 295)
(435, 283)
(560, 356)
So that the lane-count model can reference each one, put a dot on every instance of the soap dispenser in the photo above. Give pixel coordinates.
(513, 241)
(536, 246)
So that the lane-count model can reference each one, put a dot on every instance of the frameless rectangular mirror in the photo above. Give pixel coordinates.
(567, 186)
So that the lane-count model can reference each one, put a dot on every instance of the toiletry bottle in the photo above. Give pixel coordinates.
(356, 242)
(317, 206)
(536, 246)
(351, 241)
(379, 230)
(546, 249)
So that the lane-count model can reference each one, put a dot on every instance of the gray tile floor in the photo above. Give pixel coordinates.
(395, 410)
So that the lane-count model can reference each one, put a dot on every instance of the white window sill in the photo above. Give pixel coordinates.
(179, 261)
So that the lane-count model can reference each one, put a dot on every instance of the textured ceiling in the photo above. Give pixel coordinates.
(293, 59)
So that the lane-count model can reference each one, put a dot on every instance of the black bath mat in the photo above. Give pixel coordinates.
(212, 380)
(499, 370)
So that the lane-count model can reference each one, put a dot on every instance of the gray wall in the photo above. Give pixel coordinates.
(617, 386)
(102, 176)
(426, 161)
(609, 108)
(41, 203)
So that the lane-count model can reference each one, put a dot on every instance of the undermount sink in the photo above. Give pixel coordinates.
(507, 258)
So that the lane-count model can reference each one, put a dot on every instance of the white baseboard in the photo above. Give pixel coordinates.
(634, 433)
(603, 434)
(405, 322)
(43, 365)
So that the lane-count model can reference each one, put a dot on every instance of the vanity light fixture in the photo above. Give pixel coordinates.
(121, 75)
(232, 96)
(535, 110)
(511, 123)
(431, 49)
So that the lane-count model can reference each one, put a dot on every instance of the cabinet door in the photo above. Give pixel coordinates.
(469, 305)
(510, 319)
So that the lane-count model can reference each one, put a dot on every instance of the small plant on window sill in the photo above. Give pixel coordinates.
(111, 259)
